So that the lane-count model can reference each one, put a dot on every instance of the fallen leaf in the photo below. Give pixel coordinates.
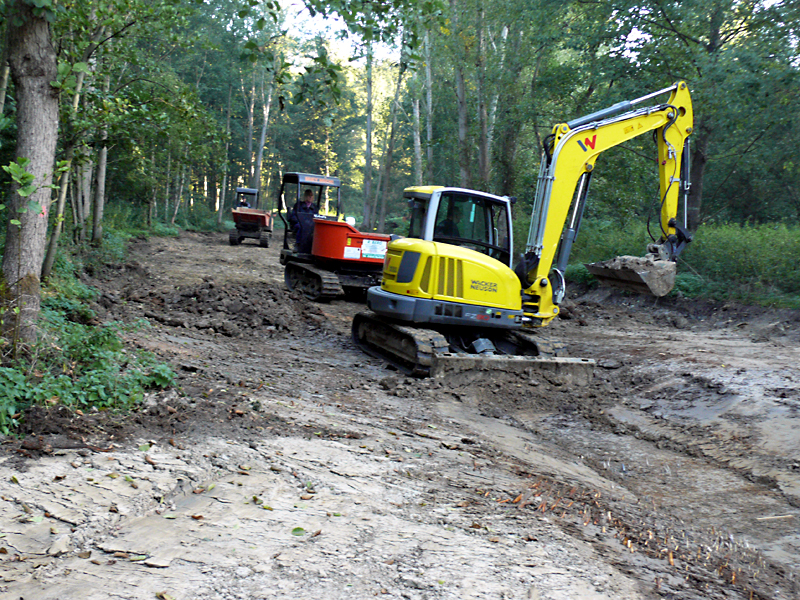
(306, 497)
(164, 596)
(14, 479)
(211, 487)
(197, 517)
(316, 533)
(121, 555)
(144, 447)
(149, 460)
(298, 531)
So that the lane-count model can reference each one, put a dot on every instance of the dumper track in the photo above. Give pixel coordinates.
(314, 283)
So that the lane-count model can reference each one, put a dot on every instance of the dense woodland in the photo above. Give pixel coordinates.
(154, 111)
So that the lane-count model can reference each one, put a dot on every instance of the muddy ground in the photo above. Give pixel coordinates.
(287, 464)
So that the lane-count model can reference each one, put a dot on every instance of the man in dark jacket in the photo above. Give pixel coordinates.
(301, 219)
(306, 205)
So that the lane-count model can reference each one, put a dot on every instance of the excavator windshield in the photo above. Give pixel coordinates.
(475, 222)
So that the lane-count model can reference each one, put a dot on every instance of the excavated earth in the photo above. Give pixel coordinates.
(285, 463)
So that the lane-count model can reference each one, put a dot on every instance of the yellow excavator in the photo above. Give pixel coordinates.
(450, 298)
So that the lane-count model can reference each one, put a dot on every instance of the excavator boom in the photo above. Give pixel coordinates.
(565, 174)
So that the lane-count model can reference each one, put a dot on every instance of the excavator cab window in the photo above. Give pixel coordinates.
(473, 222)
(417, 208)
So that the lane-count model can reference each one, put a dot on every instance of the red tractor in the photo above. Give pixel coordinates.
(329, 257)
(251, 222)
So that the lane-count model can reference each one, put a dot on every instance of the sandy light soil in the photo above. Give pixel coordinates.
(287, 464)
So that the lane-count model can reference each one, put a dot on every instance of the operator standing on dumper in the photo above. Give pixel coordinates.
(306, 205)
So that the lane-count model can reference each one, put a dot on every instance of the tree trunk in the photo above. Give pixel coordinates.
(249, 106)
(3, 86)
(152, 212)
(181, 180)
(100, 182)
(387, 160)
(167, 182)
(52, 247)
(368, 153)
(224, 186)
(699, 158)
(483, 113)
(417, 144)
(461, 99)
(428, 109)
(32, 59)
(85, 170)
(266, 105)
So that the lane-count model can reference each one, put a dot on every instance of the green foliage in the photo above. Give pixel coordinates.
(78, 365)
(757, 264)
(166, 230)
(754, 264)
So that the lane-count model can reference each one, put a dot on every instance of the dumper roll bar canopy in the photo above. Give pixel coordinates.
(246, 191)
(320, 182)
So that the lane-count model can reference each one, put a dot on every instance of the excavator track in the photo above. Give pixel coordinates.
(315, 284)
(422, 352)
(409, 349)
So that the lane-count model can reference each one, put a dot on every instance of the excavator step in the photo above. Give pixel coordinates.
(643, 275)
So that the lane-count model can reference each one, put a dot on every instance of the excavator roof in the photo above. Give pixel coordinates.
(420, 191)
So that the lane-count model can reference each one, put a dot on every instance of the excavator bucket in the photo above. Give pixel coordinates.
(644, 275)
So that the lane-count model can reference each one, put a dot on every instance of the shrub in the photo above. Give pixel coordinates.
(78, 365)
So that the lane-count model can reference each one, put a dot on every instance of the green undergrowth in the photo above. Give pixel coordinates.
(753, 264)
(77, 362)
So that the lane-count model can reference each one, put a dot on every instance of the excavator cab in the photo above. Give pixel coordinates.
(460, 217)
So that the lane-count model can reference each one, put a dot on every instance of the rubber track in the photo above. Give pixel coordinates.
(330, 288)
(426, 344)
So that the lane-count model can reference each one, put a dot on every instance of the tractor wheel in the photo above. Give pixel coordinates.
(233, 238)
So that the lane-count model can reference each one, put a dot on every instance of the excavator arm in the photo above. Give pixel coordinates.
(566, 169)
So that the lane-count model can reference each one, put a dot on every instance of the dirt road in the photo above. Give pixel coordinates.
(287, 464)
